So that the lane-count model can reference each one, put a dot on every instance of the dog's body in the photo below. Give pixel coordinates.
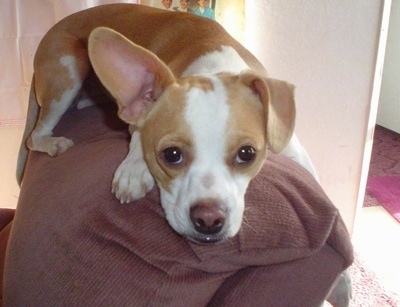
(201, 109)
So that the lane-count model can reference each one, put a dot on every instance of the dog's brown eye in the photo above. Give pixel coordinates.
(172, 155)
(245, 154)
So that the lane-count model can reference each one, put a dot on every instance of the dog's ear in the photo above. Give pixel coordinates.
(134, 76)
(277, 98)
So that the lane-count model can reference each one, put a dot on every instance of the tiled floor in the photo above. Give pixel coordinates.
(376, 234)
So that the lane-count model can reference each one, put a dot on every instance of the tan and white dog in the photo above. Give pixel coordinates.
(201, 109)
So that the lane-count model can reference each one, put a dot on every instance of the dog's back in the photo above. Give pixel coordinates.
(167, 34)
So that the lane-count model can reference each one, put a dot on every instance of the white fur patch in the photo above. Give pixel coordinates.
(58, 108)
(208, 177)
(224, 60)
(70, 63)
(207, 114)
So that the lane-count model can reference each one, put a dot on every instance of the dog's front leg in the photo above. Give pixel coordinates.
(132, 179)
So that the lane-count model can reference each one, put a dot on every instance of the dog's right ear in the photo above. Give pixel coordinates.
(277, 98)
(134, 76)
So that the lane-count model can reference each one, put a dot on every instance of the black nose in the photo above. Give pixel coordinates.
(208, 216)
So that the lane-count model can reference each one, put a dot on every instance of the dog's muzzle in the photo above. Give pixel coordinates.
(208, 217)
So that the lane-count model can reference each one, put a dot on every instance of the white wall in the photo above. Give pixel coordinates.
(389, 102)
(328, 50)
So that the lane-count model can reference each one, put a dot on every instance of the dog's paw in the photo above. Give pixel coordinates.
(54, 146)
(132, 181)
(58, 145)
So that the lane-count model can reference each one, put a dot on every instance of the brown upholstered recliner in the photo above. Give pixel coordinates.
(72, 243)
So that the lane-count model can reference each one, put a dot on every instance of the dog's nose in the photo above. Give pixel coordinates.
(208, 216)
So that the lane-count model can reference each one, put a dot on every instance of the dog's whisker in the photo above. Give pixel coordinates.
(249, 213)
(247, 224)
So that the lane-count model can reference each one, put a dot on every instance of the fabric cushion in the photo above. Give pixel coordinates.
(73, 243)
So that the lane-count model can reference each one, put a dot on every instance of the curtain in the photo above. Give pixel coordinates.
(22, 25)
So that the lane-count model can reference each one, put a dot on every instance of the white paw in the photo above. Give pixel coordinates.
(84, 103)
(132, 181)
(54, 146)
(58, 145)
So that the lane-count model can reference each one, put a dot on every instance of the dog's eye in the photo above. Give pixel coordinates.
(245, 154)
(172, 155)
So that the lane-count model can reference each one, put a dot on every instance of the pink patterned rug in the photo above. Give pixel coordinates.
(386, 190)
(368, 290)
(383, 186)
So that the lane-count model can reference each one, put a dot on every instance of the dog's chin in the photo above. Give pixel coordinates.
(207, 238)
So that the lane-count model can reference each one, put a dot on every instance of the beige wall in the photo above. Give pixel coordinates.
(231, 15)
(328, 49)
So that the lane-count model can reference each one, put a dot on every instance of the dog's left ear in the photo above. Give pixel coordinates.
(277, 98)
(134, 76)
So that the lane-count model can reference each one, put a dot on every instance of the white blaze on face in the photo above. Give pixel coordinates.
(207, 114)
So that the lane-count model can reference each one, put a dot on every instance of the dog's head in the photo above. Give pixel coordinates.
(203, 137)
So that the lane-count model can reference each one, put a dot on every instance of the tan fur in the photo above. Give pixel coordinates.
(168, 113)
(247, 124)
(156, 36)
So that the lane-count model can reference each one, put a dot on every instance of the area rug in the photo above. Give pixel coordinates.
(368, 290)
(386, 190)
(385, 159)
(385, 156)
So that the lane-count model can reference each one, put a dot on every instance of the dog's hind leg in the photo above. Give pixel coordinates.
(297, 152)
(58, 79)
